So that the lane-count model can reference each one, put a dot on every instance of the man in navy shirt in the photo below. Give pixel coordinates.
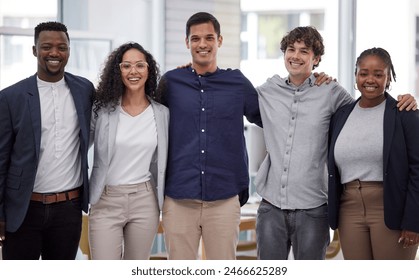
(207, 174)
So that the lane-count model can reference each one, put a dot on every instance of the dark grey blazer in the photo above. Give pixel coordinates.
(20, 126)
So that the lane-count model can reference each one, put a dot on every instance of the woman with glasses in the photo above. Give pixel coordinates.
(129, 130)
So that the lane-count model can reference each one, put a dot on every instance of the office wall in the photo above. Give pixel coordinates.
(177, 13)
(390, 25)
(159, 25)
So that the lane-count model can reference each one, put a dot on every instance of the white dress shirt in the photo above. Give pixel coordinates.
(59, 167)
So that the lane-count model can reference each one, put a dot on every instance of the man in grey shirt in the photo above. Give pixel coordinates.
(292, 178)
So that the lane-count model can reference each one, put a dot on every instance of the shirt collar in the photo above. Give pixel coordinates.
(309, 82)
(206, 74)
(42, 83)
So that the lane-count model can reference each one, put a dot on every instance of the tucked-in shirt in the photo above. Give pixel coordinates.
(296, 124)
(135, 146)
(359, 146)
(207, 151)
(59, 166)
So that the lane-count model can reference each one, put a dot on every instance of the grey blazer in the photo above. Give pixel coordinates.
(103, 133)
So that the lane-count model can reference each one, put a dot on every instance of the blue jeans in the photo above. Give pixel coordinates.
(307, 231)
(51, 231)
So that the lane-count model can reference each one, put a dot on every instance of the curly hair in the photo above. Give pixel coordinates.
(311, 38)
(111, 87)
(385, 57)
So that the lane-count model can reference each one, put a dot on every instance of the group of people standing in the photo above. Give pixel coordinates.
(175, 145)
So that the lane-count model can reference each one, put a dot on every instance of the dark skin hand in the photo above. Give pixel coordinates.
(406, 102)
(322, 78)
(408, 238)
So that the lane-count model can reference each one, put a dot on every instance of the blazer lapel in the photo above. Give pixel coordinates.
(35, 112)
(158, 116)
(75, 91)
(113, 117)
(390, 121)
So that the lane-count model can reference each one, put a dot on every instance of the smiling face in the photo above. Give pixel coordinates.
(299, 60)
(372, 78)
(52, 51)
(203, 43)
(133, 78)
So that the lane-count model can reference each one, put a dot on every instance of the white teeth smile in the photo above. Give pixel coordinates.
(370, 88)
(53, 62)
(133, 79)
(203, 52)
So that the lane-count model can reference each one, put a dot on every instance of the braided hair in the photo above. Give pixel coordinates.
(386, 58)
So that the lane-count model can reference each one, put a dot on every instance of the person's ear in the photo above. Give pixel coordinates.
(316, 60)
(220, 41)
(34, 51)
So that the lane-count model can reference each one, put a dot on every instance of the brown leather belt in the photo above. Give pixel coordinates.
(48, 198)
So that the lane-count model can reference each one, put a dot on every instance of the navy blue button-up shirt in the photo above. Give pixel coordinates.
(207, 150)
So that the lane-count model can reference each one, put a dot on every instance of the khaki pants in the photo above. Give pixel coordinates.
(123, 224)
(185, 221)
(362, 232)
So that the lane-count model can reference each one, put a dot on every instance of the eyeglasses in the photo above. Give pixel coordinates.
(140, 66)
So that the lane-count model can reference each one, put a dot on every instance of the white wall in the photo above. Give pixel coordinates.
(390, 25)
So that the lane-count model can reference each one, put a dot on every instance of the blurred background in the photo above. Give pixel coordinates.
(252, 32)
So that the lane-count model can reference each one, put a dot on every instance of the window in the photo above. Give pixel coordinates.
(16, 41)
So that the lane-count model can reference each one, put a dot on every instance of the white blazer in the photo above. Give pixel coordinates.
(103, 134)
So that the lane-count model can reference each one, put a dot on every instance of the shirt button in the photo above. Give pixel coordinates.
(202, 90)
(203, 130)
(283, 186)
(202, 172)
(202, 151)
(203, 109)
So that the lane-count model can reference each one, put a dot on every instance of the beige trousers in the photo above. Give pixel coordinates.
(186, 221)
(362, 232)
(124, 222)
